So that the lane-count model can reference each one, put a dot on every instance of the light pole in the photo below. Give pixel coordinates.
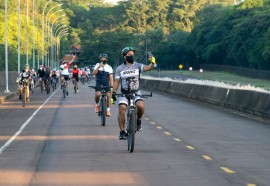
(27, 32)
(50, 38)
(6, 46)
(48, 28)
(19, 36)
(33, 36)
(37, 35)
(43, 31)
(59, 37)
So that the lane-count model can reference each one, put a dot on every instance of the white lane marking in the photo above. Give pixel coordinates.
(3, 148)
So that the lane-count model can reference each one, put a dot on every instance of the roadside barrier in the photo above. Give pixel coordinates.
(245, 101)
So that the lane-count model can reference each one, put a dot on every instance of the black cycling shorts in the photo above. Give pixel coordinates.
(100, 83)
(66, 77)
(76, 76)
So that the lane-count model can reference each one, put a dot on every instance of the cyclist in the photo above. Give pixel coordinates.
(75, 75)
(41, 74)
(47, 76)
(83, 75)
(128, 75)
(65, 72)
(104, 77)
(25, 75)
(54, 77)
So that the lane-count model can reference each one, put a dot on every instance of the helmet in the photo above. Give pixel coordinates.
(103, 56)
(126, 50)
(75, 66)
(26, 66)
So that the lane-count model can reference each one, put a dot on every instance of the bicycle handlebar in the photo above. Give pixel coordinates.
(94, 87)
(129, 94)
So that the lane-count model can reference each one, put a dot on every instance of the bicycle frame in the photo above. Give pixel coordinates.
(23, 91)
(131, 118)
(102, 104)
(64, 88)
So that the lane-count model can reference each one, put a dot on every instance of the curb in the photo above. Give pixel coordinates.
(4, 99)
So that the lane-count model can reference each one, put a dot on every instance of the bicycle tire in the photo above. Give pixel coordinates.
(41, 86)
(53, 87)
(131, 131)
(64, 91)
(47, 87)
(24, 96)
(103, 111)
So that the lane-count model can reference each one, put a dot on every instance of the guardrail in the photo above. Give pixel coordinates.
(249, 102)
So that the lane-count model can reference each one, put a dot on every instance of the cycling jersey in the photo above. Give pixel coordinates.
(103, 73)
(64, 68)
(129, 76)
(75, 72)
(41, 73)
(25, 75)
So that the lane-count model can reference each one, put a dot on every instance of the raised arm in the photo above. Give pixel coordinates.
(152, 61)
(74, 56)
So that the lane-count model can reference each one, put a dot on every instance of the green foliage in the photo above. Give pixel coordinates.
(188, 32)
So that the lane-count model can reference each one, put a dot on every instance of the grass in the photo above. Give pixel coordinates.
(225, 77)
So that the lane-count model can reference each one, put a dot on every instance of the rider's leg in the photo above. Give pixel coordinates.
(77, 81)
(27, 91)
(97, 97)
(140, 109)
(108, 94)
(62, 80)
(67, 84)
(121, 116)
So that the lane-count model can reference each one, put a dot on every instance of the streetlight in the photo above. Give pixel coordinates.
(49, 36)
(47, 26)
(33, 32)
(58, 44)
(19, 36)
(6, 46)
(43, 31)
(27, 24)
(58, 18)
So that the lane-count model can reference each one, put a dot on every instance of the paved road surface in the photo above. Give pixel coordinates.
(59, 142)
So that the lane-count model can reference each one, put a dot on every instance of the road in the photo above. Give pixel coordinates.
(59, 142)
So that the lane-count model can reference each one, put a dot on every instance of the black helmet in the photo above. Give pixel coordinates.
(126, 50)
(103, 56)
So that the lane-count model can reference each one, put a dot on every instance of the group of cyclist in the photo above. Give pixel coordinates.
(127, 75)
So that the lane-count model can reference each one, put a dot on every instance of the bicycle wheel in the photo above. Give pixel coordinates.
(131, 131)
(103, 109)
(64, 91)
(53, 85)
(24, 96)
(75, 87)
(41, 86)
(47, 87)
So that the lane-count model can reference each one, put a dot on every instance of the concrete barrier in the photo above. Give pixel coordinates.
(11, 78)
(245, 101)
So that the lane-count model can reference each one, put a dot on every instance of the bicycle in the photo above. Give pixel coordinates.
(32, 85)
(24, 86)
(41, 84)
(131, 117)
(75, 85)
(102, 104)
(64, 87)
(47, 86)
(54, 84)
